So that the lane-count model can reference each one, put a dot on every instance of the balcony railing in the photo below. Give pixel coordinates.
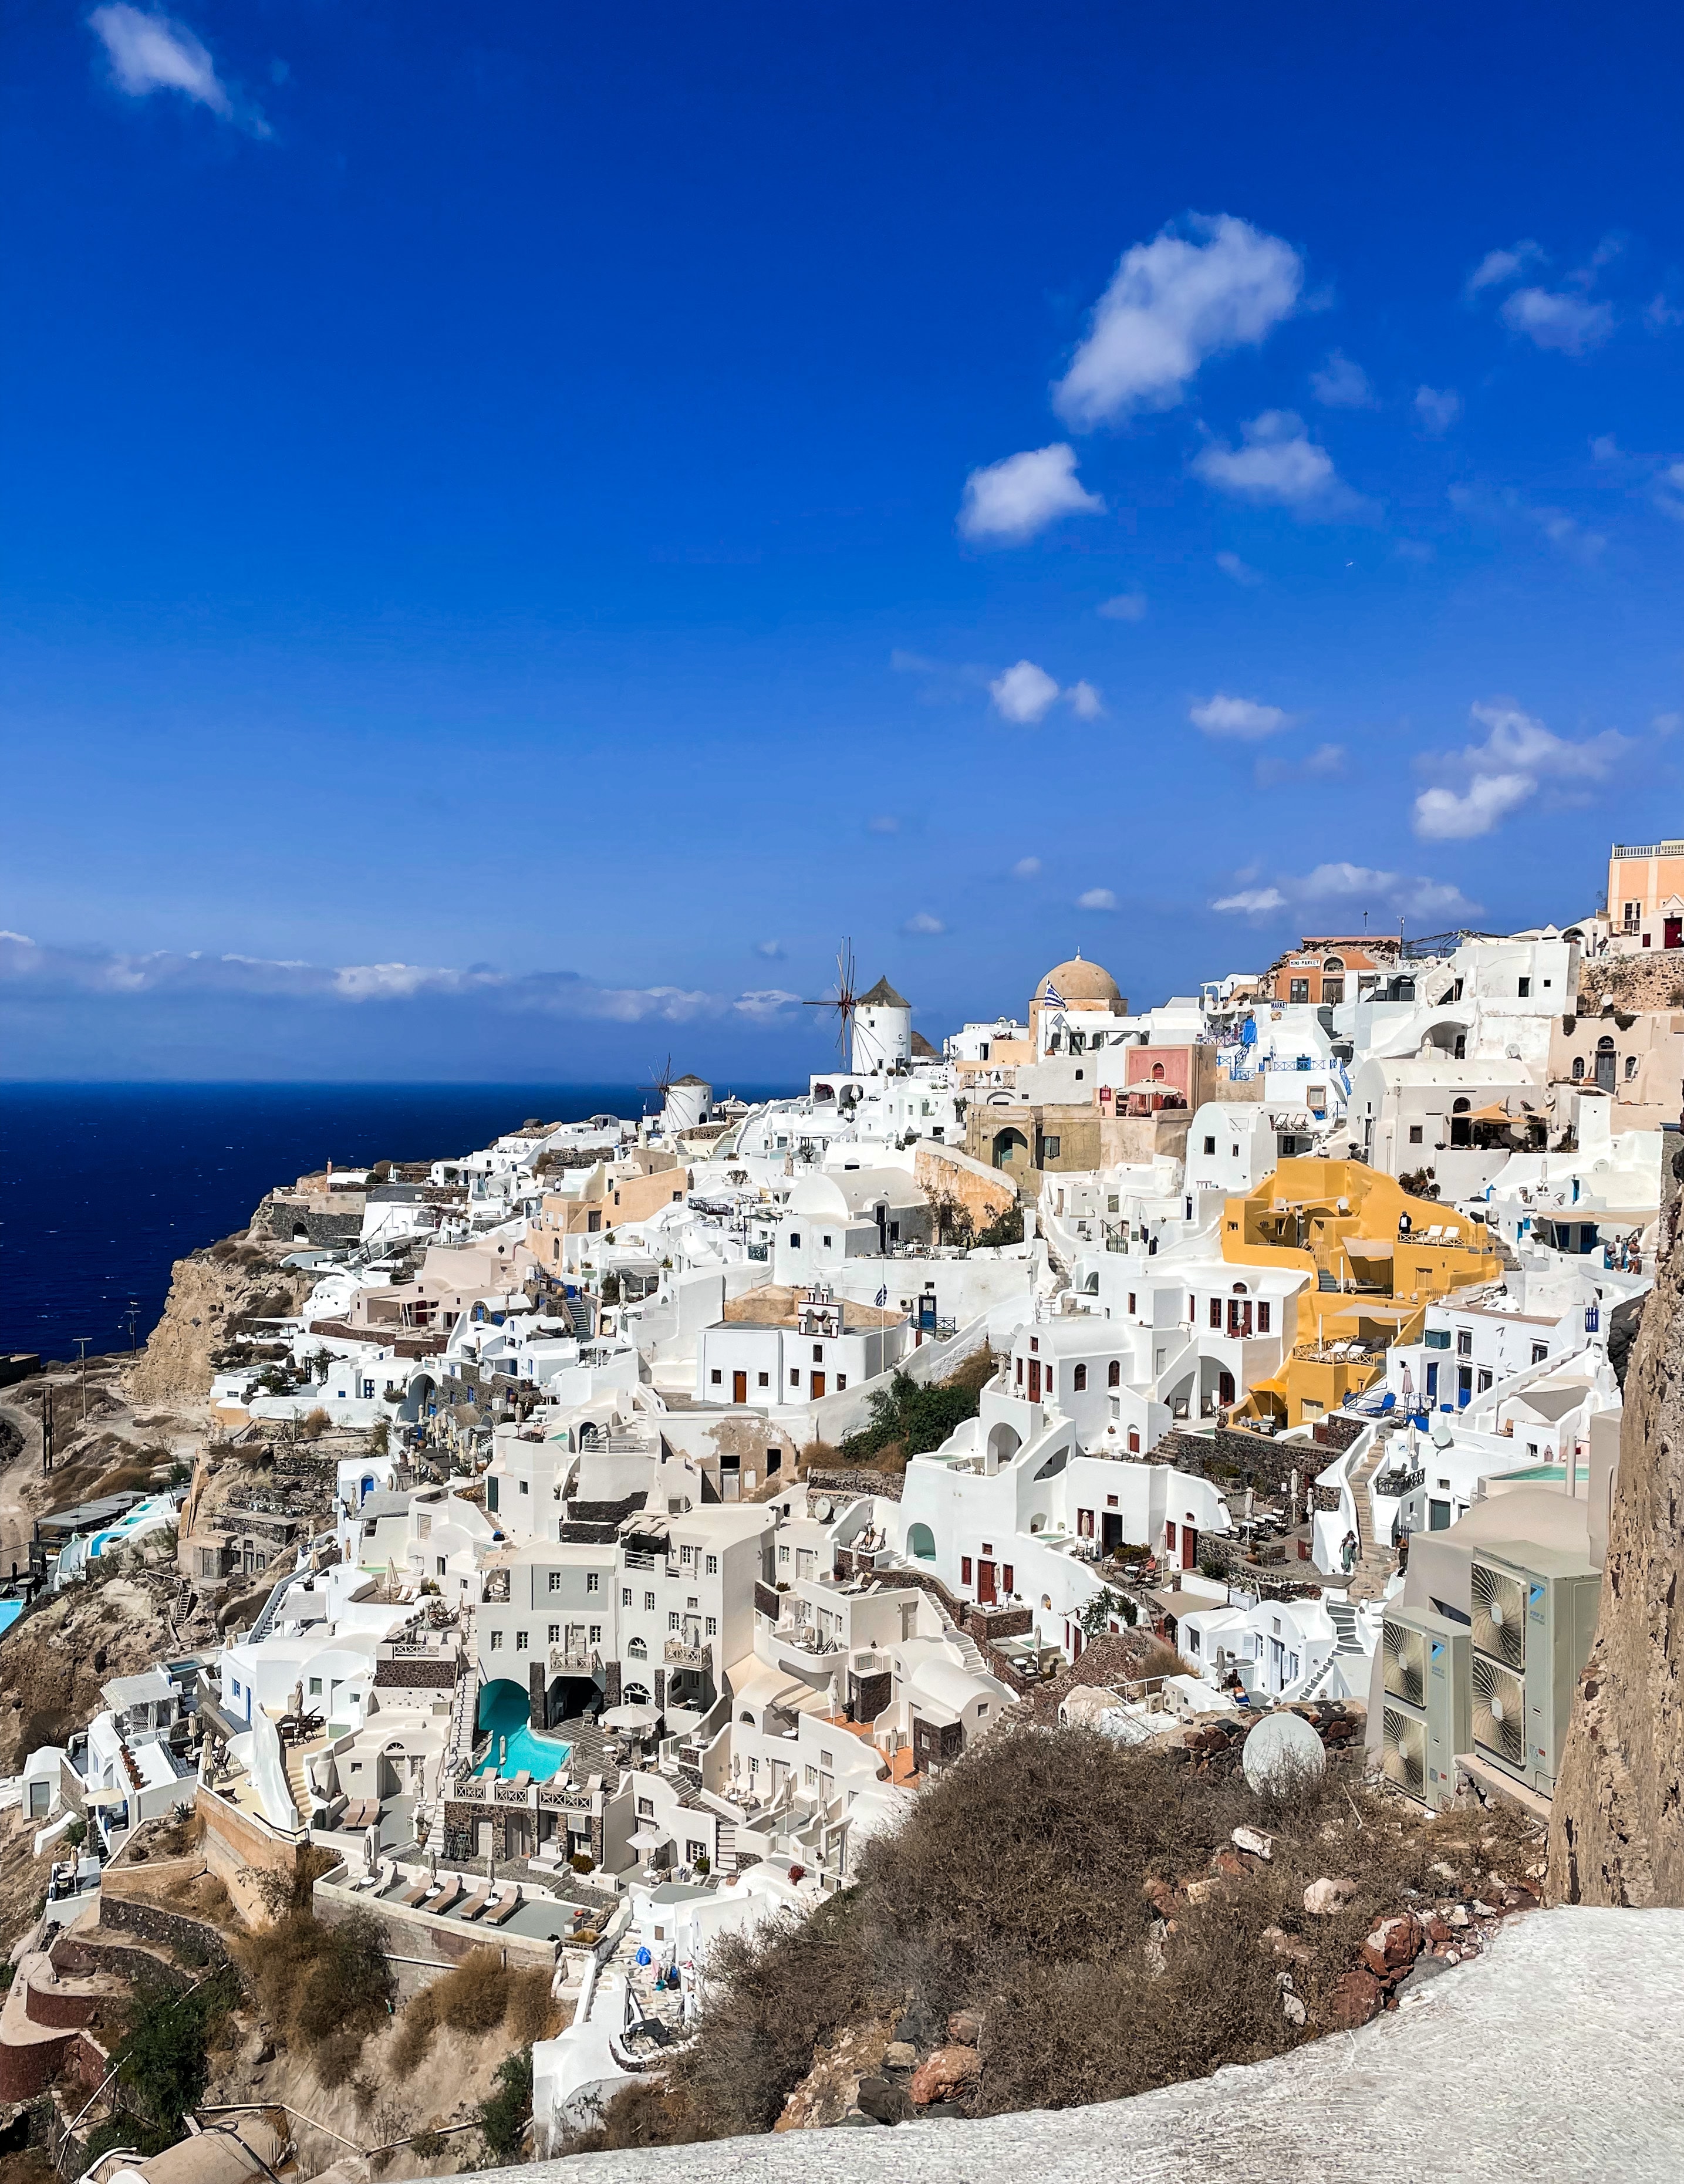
(574, 1660)
(678, 1655)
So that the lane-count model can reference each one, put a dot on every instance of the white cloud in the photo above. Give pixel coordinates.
(912, 663)
(1173, 301)
(1278, 463)
(1497, 267)
(1023, 693)
(29, 967)
(1517, 757)
(1341, 383)
(1668, 487)
(1437, 410)
(1126, 606)
(771, 950)
(1325, 760)
(1252, 902)
(922, 923)
(1241, 571)
(1659, 315)
(1566, 531)
(1402, 894)
(1013, 500)
(154, 52)
(1554, 318)
(1097, 898)
(884, 823)
(1241, 717)
(1026, 868)
(763, 1007)
(1667, 724)
(1443, 816)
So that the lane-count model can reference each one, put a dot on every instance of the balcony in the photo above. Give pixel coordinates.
(698, 1657)
(574, 1660)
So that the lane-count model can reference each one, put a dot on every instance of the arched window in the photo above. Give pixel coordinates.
(1631, 1068)
(636, 1650)
(1334, 963)
(1578, 1069)
(1158, 1073)
(1239, 1289)
(1081, 1379)
(1461, 1107)
(920, 1542)
(1114, 1374)
(634, 1695)
(746, 1719)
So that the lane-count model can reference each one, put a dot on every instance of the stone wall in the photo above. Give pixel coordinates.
(1617, 1821)
(1652, 980)
(170, 1930)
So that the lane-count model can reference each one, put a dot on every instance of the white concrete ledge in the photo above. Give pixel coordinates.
(1553, 2058)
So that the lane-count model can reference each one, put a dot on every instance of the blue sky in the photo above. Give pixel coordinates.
(524, 529)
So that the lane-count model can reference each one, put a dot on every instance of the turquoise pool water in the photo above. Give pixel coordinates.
(10, 1610)
(515, 1747)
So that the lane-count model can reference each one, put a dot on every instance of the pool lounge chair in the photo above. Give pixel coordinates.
(506, 1909)
(477, 1902)
(450, 1893)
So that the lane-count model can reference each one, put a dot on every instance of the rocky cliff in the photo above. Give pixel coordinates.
(210, 1293)
(1617, 1831)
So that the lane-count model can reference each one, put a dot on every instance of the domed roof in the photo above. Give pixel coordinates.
(1081, 985)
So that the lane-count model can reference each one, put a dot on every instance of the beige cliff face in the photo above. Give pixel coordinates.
(1617, 1831)
(208, 1292)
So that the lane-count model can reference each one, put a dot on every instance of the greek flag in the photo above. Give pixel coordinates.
(883, 1296)
(1053, 998)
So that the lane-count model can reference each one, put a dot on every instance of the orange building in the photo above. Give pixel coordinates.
(1323, 968)
(1646, 893)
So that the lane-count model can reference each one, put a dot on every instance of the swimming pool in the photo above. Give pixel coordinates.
(10, 1610)
(516, 1747)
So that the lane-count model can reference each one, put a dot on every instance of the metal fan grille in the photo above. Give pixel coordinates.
(1499, 1712)
(1405, 1669)
(1403, 1758)
(1499, 1603)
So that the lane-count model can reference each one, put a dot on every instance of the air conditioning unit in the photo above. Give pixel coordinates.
(1535, 1615)
(1424, 1724)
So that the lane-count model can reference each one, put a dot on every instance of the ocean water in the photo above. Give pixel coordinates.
(103, 1186)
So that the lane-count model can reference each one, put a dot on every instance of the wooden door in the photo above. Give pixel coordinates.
(739, 1387)
(1189, 1546)
(986, 1594)
(817, 1385)
(1034, 1379)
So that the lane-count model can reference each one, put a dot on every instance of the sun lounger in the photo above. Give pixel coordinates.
(412, 1897)
(477, 1902)
(506, 1909)
(449, 1893)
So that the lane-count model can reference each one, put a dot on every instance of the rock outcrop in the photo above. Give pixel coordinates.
(1617, 1829)
(211, 1293)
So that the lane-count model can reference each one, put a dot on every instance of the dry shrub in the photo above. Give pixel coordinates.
(416, 2028)
(336, 2059)
(473, 1998)
(1015, 1887)
(326, 1987)
(530, 2014)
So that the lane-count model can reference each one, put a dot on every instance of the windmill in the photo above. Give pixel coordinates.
(844, 1000)
(660, 1080)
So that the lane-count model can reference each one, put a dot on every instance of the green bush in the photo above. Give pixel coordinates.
(916, 1419)
(503, 2118)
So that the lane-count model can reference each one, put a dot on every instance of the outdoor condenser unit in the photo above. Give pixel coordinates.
(1424, 1677)
(1538, 1607)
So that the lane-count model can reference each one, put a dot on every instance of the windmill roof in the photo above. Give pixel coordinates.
(702, 1081)
(883, 995)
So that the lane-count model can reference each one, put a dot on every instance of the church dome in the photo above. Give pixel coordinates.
(1081, 985)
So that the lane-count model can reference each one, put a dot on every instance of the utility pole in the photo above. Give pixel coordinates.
(82, 1342)
(47, 1429)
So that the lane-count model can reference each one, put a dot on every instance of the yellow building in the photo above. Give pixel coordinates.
(1375, 1258)
(1646, 893)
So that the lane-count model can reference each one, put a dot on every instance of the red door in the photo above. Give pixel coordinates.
(1034, 1379)
(1673, 937)
(986, 1592)
(1189, 1546)
(817, 1385)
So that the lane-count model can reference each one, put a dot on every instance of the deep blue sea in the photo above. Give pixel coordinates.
(102, 1186)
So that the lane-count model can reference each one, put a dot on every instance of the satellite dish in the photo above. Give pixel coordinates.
(1282, 1751)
